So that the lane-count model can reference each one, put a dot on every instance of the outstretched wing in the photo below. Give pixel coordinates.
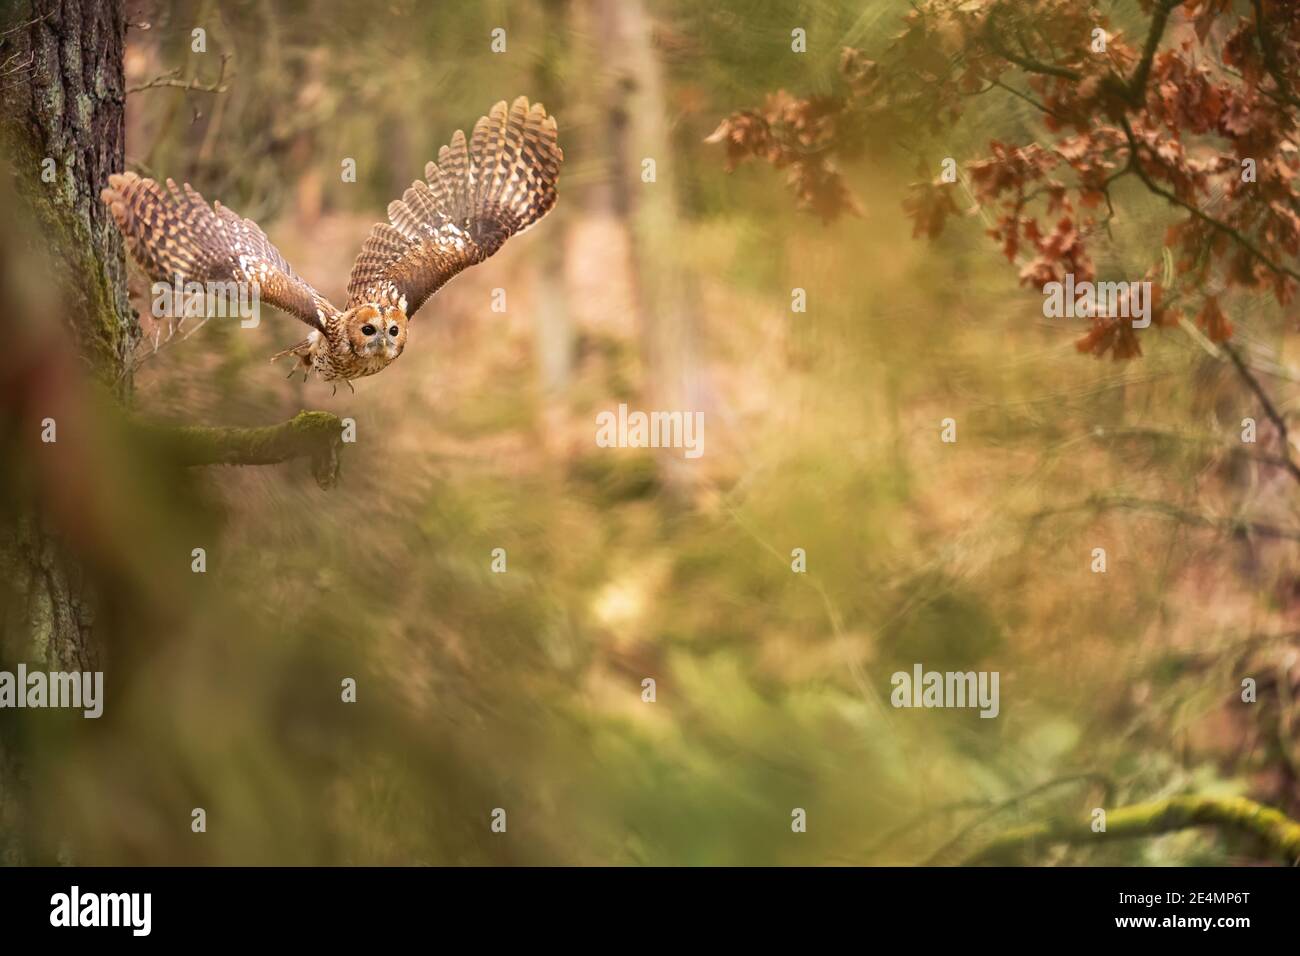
(475, 198)
(173, 232)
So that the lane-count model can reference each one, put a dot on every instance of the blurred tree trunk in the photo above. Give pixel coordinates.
(554, 329)
(636, 115)
(62, 98)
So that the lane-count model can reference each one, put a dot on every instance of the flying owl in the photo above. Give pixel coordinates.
(478, 194)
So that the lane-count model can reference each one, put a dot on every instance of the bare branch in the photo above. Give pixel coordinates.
(1270, 409)
(1138, 82)
(1104, 502)
(171, 79)
(1023, 60)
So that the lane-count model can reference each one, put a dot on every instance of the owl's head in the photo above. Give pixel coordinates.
(376, 331)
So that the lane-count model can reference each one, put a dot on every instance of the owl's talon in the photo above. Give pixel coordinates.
(334, 392)
(350, 388)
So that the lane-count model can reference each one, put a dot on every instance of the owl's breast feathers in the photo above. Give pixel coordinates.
(333, 357)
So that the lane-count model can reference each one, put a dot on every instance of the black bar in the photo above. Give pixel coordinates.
(329, 906)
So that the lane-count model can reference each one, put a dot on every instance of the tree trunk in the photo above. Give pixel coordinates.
(636, 107)
(62, 100)
(553, 326)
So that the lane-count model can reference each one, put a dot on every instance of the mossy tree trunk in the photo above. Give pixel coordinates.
(62, 110)
(62, 99)
(62, 106)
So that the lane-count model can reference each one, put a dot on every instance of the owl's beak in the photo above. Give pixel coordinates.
(381, 345)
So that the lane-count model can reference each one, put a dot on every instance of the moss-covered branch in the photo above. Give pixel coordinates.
(314, 435)
(1278, 832)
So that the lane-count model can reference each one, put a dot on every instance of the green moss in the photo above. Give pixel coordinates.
(91, 294)
(1278, 832)
(315, 435)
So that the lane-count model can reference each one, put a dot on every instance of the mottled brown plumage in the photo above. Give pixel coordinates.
(479, 193)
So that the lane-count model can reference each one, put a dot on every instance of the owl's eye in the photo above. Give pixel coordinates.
(393, 331)
(367, 329)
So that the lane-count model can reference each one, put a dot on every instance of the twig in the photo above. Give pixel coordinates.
(1205, 217)
(1024, 61)
(1269, 408)
(30, 23)
(1160, 434)
(171, 79)
(1043, 107)
(1101, 502)
(7, 70)
(1010, 802)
